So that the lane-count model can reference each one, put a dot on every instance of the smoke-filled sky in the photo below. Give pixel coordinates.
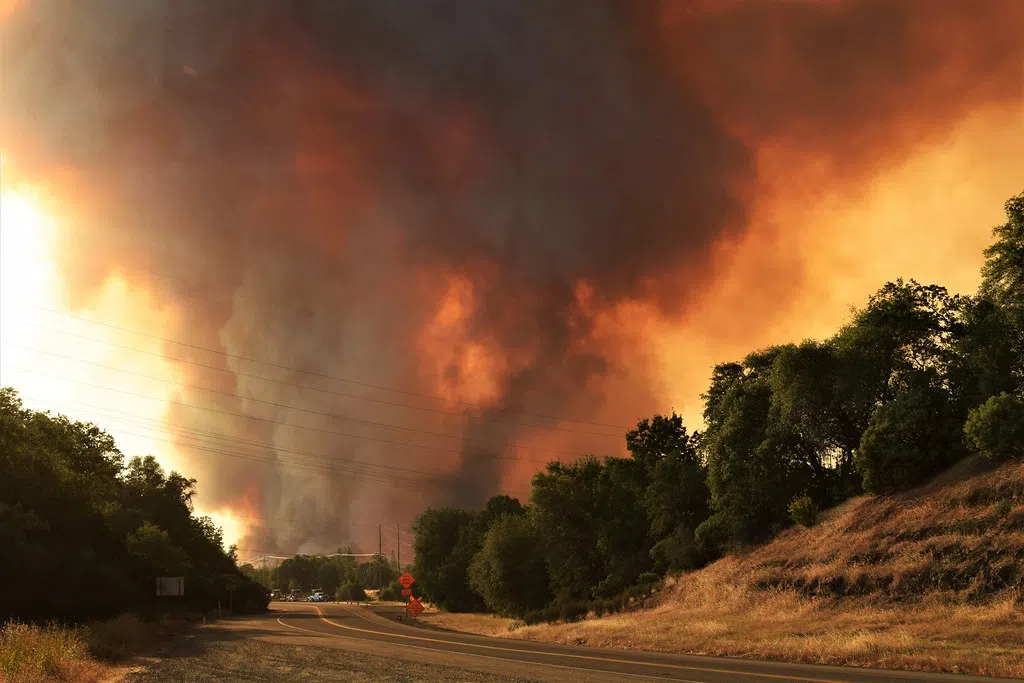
(415, 249)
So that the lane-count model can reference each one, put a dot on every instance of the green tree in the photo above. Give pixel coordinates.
(351, 592)
(497, 507)
(655, 439)
(1003, 272)
(996, 428)
(909, 439)
(985, 353)
(510, 572)
(155, 551)
(1003, 284)
(592, 519)
(377, 573)
(817, 392)
(329, 577)
(444, 546)
(77, 516)
(756, 464)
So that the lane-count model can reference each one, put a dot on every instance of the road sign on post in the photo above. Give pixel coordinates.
(170, 585)
(413, 608)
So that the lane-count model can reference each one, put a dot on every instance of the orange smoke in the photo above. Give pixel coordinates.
(575, 217)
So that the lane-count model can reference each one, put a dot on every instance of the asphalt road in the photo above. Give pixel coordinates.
(371, 645)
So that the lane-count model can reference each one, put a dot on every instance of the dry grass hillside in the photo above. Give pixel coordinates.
(931, 580)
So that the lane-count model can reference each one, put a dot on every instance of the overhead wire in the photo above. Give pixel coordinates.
(275, 422)
(296, 464)
(238, 373)
(323, 375)
(232, 395)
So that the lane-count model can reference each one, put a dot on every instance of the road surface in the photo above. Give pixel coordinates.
(342, 642)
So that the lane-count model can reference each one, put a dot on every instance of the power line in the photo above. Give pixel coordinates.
(274, 422)
(323, 375)
(318, 413)
(301, 386)
(391, 482)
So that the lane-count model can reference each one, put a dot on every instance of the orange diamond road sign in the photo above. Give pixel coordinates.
(414, 608)
(406, 579)
(406, 591)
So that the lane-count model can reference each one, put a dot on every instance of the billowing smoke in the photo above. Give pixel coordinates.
(441, 197)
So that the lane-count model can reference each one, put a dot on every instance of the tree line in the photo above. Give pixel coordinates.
(338, 575)
(916, 380)
(85, 533)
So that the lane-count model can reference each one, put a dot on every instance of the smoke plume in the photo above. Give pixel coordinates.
(447, 197)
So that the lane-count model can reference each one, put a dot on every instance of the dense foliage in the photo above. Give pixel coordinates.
(914, 381)
(85, 534)
(996, 427)
(336, 574)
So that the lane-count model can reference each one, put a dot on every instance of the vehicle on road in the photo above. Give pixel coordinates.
(318, 596)
(275, 594)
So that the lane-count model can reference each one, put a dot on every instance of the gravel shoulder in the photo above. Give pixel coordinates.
(246, 651)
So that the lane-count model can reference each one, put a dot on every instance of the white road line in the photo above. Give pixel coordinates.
(497, 659)
(612, 660)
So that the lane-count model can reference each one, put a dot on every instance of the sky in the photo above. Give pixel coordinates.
(340, 261)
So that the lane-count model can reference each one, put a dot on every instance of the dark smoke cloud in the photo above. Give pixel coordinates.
(861, 81)
(301, 177)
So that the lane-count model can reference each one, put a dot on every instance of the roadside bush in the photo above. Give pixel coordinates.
(804, 511)
(351, 592)
(31, 652)
(996, 428)
(121, 636)
(392, 593)
(573, 611)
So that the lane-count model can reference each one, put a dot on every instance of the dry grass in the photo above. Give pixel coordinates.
(32, 653)
(929, 580)
(82, 654)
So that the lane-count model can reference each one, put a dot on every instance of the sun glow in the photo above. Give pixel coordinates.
(60, 361)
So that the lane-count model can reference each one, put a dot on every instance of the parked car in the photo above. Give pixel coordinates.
(318, 596)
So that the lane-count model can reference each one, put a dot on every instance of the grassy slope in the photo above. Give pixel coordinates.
(931, 580)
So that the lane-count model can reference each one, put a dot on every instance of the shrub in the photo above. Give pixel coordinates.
(677, 552)
(611, 586)
(573, 611)
(39, 651)
(996, 428)
(647, 579)
(713, 534)
(804, 511)
(119, 637)
(908, 440)
(393, 593)
(351, 592)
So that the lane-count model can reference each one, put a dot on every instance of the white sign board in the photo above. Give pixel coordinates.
(170, 585)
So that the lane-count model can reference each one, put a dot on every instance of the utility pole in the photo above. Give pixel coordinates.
(398, 530)
(380, 542)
